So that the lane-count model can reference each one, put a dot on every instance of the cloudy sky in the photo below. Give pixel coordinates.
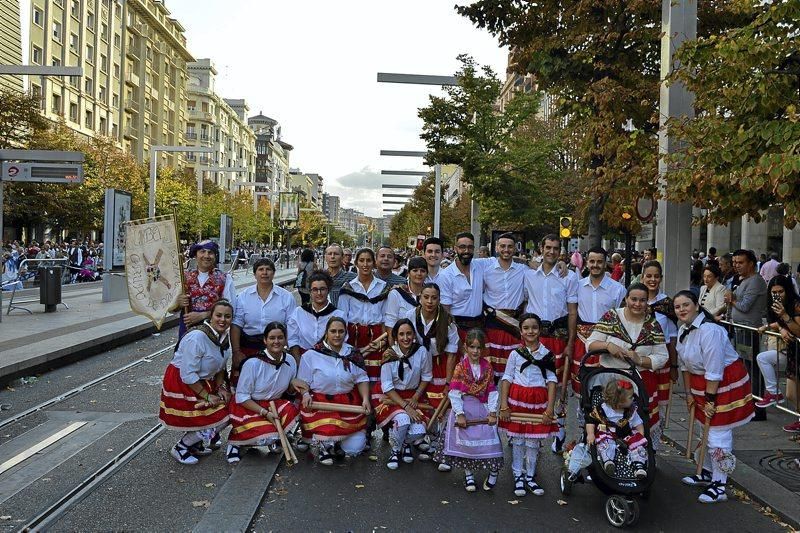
(312, 65)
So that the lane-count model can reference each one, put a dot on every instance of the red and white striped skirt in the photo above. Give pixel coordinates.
(435, 389)
(359, 335)
(500, 343)
(384, 413)
(734, 397)
(177, 408)
(556, 345)
(664, 384)
(250, 427)
(528, 400)
(332, 425)
(651, 386)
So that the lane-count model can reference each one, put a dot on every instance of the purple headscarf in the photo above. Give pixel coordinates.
(204, 245)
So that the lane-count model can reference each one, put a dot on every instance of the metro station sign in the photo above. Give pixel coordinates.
(42, 172)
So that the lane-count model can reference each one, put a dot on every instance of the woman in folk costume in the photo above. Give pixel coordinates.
(306, 324)
(437, 332)
(720, 391)
(257, 306)
(661, 305)
(264, 379)
(405, 373)
(334, 372)
(205, 285)
(471, 440)
(632, 334)
(362, 301)
(528, 386)
(405, 298)
(194, 393)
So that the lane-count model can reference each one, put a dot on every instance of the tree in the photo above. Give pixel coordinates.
(600, 63)
(311, 229)
(505, 158)
(742, 151)
(20, 118)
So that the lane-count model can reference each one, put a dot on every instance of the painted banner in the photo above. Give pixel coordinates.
(153, 267)
(289, 206)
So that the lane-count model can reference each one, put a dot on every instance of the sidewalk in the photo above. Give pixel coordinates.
(766, 458)
(31, 342)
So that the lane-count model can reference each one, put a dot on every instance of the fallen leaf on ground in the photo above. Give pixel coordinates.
(513, 502)
(575, 519)
(373, 457)
(92, 401)
(5, 517)
(359, 486)
(561, 502)
(209, 485)
(201, 503)
(109, 449)
(445, 502)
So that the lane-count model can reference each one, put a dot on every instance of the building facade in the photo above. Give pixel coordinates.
(133, 55)
(220, 124)
(10, 42)
(330, 208)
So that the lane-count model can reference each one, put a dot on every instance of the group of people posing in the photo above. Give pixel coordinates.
(446, 361)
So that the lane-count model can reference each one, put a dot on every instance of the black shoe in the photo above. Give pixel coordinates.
(703, 480)
(338, 451)
(325, 457)
(557, 446)
(198, 449)
(385, 433)
(715, 493)
(469, 483)
(216, 442)
(394, 460)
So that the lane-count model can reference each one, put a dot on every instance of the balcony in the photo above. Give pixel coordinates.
(130, 133)
(131, 105)
(132, 79)
(138, 28)
(200, 115)
(190, 135)
(132, 53)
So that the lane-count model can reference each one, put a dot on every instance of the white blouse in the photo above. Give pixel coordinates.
(706, 349)
(252, 314)
(457, 402)
(260, 380)
(358, 312)
(396, 308)
(615, 416)
(421, 370)
(198, 358)
(658, 354)
(531, 376)
(452, 334)
(306, 330)
(328, 375)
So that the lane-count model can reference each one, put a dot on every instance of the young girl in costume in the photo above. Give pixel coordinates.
(471, 440)
(405, 374)
(616, 422)
(528, 386)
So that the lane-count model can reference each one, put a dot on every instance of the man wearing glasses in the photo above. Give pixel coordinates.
(461, 286)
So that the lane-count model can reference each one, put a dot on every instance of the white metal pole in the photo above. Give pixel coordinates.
(151, 204)
(437, 200)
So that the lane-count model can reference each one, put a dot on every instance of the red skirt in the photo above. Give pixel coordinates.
(250, 427)
(384, 413)
(734, 397)
(435, 389)
(332, 425)
(577, 356)
(664, 384)
(632, 441)
(177, 409)
(359, 335)
(528, 400)
(500, 343)
(556, 345)
(651, 386)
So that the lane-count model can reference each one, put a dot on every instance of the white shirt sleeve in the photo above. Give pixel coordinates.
(306, 371)
(293, 329)
(238, 311)
(229, 292)
(427, 366)
(387, 378)
(456, 402)
(494, 396)
(344, 306)
(511, 367)
(712, 345)
(635, 420)
(392, 309)
(452, 339)
(190, 359)
(360, 374)
(445, 289)
(247, 383)
(572, 288)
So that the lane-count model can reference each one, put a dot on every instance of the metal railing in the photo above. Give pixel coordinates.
(24, 274)
(749, 343)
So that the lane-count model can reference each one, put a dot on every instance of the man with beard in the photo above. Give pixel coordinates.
(597, 293)
(555, 300)
(462, 286)
(204, 285)
(384, 264)
(338, 273)
(432, 252)
(502, 291)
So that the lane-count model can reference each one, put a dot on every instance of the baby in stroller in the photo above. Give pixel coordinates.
(615, 425)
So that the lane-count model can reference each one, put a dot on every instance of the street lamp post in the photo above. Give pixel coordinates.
(151, 204)
(626, 217)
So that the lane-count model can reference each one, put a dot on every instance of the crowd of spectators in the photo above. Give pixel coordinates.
(83, 260)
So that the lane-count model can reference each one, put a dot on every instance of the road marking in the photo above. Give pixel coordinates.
(36, 448)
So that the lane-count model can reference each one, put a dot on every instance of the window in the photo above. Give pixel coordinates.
(36, 55)
(90, 53)
(57, 104)
(89, 85)
(73, 112)
(116, 70)
(73, 42)
(75, 81)
(104, 31)
(56, 61)
(117, 40)
(114, 100)
(101, 94)
(38, 17)
(103, 126)
(36, 91)
(103, 63)
(89, 121)
(59, 3)
(90, 20)
(75, 10)
(57, 33)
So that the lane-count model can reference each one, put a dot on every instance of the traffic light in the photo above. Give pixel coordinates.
(565, 227)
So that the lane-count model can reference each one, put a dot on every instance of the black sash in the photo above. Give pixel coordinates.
(407, 295)
(467, 322)
(551, 328)
(348, 290)
(548, 362)
(390, 356)
(267, 359)
(328, 309)
(355, 357)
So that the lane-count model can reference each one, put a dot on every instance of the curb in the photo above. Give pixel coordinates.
(761, 489)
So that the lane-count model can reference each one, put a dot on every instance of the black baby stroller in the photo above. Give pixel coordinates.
(621, 489)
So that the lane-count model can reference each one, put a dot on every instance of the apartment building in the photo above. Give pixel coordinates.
(302, 183)
(272, 155)
(10, 42)
(330, 207)
(133, 55)
(219, 124)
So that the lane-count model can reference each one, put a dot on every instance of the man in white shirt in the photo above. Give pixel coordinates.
(432, 252)
(461, 286)
(502, 291)
(555, 300)
(597, 293)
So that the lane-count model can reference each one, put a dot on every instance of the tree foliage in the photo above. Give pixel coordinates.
(599, 61)
(742, 151)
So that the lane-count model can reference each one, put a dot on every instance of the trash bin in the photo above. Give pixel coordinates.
(50, 287)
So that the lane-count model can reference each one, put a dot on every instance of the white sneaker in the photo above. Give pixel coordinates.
(444, 467)
(182, 454)
(394, 460)
(715, 493)
(703, 480)
(232, 454)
